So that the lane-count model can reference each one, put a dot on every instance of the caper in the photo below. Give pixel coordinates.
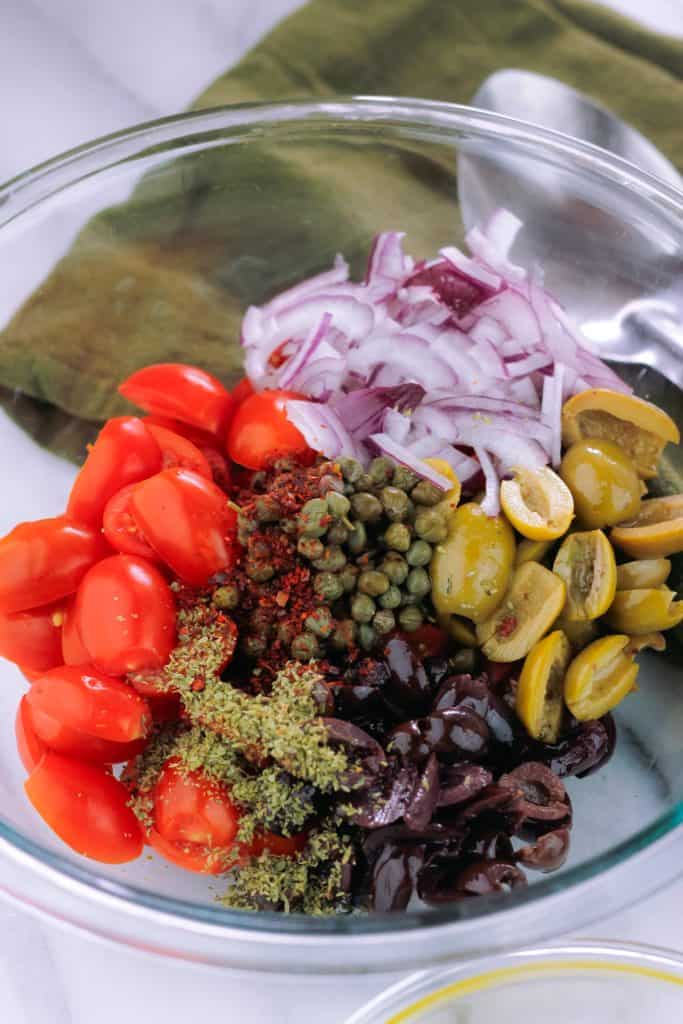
(226, 598)
(313, 518)
(267, 509)
(373, 582)
(405, 478)
(384, 622)
(367, 637)
(286, 631)
(366, 507)
(259, 571)
(345, 634)
(358, 538)
(332, 559)
(395, 567)
(338, 533)
(398, 537)
(362, 608)
(381, 471)
(410, 618)
(310, 547)
(418, 582)
(394, 502)
(328, 586)
(338, 505)
(426, 493)
(329, 484)
(261, 622)
(349, 577)
(351, 469)
(391, 598)
(409, 599)
(430, 525)
(419, 553)
(320, 622)
(365, 483)
(253, 646)
(305, 646)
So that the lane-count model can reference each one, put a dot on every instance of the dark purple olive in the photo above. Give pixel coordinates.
(489, 876)
(354, 740)
(475, 693)
(460, 782)
(455, 688)
(494, 800)
(393, 877)
(587, 748)
(437, 834)
(536, 792)
(407, 692)
(489, 844)
(385, 800)
(407, 741)
(437, 669)
(548, 853)
(423, 802)
(456, 734)
(356, 701)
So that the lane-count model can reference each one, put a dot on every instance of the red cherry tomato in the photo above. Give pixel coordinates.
(33, 639)
(56, 735)
(125, 615)
(242, 391)
(167, 708)
(86, 807)
(44, 561)
(190, 856)
(427, 642)
(29, 674)
(73, 649)
(123, 453)
(92, 703)
(120, 528)
(199, 438)
(189, 807)
(260, 430)
(220, 468)
(29, 746)
(206, 443)
(188, 522)
(184, 392)
(178, 452)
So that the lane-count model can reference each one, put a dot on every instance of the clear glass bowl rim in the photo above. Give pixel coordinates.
(191, 131)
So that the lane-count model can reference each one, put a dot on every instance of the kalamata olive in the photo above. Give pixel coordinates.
(489, 876)
(408, 689)
(537, 793)
(475, 693)
(460, 782)
(393, 877)
(407, 741)
(489, 844)
(454, 688)
(436, 881)
(456, 733)
(349, 736)
(493, 800)
(587, 748)
(548, 853)
(437, 669)
(353, 701)
(385, 799)
(425, 796)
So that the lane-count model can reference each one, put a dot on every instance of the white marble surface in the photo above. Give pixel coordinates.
(70, 70)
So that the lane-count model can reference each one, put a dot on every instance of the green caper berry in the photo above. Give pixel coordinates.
(328, 586)
(395, 567)
(381, 471)
(367, 638)
(338, 533)
(366, 507)
(384, 622)
(310, 547)
(259, 572)
(305, 647)
(253, 646)
(261, 622)
(392, 597)
(419, 553)
(286, 632)
(345, 635)
(349, 577)
(358, 538)
(466, 660)
(430, 525)
(338, 505)
(226, 598)
(394, 502)
(258, 550)
(405, 478)
(365, 482)
(410, 618)
(426, 493)
(362, 607)
(398, 537)
(408, 600)
(266, 509)
(332, 559)
(313, 518)
(351, 469)
(373, 583)
(418, 582)
(320, 622)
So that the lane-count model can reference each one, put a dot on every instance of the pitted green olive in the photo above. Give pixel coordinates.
(603, 481)
(533, 601)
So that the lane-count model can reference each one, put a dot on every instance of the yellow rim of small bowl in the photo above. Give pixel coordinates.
(491, 978)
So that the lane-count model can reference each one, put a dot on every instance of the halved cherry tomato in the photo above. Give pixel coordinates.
(92, 703)
(33, 639)
(189, 807)
(86, 807)
(45, 560)
(184, 392)
(166, 708)
(125, 451)
(280, 846)
(120, 528)
(29, 746)
(29, 674)
(178, 452)
(260, 430)
(73, 648)
(204, 442)
(427, 641)
(191, 856)
(242, 391)
(56, 735)
(220, 468)
(188, 522)
(125, 614)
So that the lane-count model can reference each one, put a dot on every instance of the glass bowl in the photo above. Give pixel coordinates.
(238, 203)
(615, 984)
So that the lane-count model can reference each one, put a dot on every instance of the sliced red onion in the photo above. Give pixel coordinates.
(501, 230)
(516, 315)
(486, 251)
(408, 356)
(469, 269)
(406, 458)
(491, 503)
(307, 350)
(396, 425)
(362, 411)
(312, 285)
(321, 427)
(354, 318)
(387, 259)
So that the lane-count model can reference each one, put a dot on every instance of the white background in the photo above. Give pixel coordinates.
(71, 70)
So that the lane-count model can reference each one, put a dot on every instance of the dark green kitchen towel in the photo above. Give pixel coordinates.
(165, 277)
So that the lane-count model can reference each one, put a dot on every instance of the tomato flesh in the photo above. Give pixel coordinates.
(45, 560)
(120, 528)
(183, 392)
(260, 430)
(179, 453)
(123, 453)
(189, 807)
(242, 391)
(33, 639)
(73, 648)
(86, 807)
(191, 856)
(29, 746)
(55, 735)
(125, 615)
(188, 522)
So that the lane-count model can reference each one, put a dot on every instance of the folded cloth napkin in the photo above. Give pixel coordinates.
(156, 279)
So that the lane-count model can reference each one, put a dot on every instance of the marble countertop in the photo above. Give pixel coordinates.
(71, 70)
